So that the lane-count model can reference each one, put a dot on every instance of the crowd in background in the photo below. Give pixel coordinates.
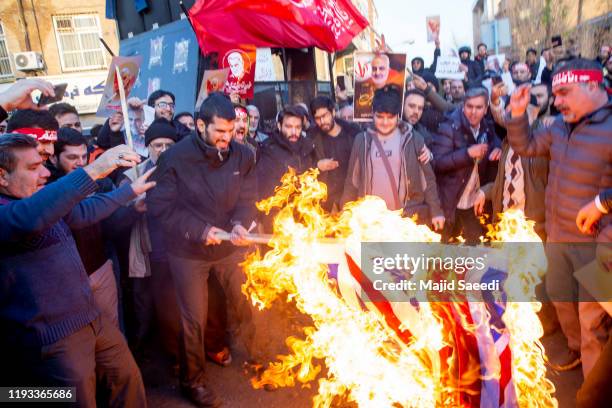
(101, 244)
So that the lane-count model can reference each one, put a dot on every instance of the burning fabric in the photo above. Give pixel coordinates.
(380, 352)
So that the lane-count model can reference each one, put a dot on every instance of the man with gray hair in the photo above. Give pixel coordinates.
(255, 136)
(465, 150)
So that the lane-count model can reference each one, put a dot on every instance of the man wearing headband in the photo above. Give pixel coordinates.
(580, 149)
(41, 125)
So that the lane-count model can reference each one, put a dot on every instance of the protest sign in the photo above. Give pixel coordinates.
(212, 81)
(373, 71)
(448, 68)
(433, 28)
(129, 67)
(241, 63)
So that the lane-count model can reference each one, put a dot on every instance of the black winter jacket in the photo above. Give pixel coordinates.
(277, 154)
(452, 163)
(196, 190)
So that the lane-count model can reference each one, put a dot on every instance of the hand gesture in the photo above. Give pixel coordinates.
(135, 103)
(497, 91)
(477, 151)
(238, 236)
(327, 164)
(587, 217)
(519, 100)
(426, 155)
(141, 185)
(211, 237)
(18, 95)
(118, 156)
(479, 203)
(419, 82)
(438, 223)
(495, 154)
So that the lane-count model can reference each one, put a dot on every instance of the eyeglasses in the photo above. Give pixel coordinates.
(159, 146)
(165, 105)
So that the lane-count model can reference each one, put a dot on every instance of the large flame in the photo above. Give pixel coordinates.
(368, 362)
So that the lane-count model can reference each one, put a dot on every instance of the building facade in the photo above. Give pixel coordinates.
(58, 40)
(584, 25)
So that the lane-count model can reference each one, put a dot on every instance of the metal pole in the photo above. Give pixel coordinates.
(330, 65)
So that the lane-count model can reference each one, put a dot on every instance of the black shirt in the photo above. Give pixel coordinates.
(337, 148)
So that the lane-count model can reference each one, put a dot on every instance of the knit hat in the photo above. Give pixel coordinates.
(160, 128)
(387, 100)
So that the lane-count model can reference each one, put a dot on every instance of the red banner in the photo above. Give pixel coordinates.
(326, 24)
(241, 64)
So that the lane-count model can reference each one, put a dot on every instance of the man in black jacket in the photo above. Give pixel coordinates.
(283, 149)
(206, 185)
(333, 141)
(474, 73)
(464, 151)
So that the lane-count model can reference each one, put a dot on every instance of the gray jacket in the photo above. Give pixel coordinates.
(580, 167)
(417, 181)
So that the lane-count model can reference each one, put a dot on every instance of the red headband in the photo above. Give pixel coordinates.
(578, 76)
(41, 135)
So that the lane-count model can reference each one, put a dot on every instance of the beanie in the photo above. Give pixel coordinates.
(160, 128)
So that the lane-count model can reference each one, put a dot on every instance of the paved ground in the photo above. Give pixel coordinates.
(232, 383)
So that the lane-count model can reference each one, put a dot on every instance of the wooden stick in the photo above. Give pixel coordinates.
(124, 109)
(266, 238)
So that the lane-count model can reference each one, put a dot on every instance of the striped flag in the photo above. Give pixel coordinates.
(485, 346)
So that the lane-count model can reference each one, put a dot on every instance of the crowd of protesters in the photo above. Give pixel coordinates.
(100, 244)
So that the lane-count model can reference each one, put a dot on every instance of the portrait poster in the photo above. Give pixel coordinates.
(213, 80)
(433, 27)
(241, 64)
(373, 71)
(129, 67)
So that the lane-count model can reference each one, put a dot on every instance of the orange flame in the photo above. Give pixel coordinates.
(367, 362)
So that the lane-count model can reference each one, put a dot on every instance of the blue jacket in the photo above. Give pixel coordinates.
(44, 290)
(452, 163)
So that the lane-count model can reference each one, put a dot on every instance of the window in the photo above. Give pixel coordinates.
(78, 42)
(5, 60)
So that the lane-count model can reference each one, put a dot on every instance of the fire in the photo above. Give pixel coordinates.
(367, 361)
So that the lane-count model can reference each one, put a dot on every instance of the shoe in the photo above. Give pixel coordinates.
(222, 358)
(202, 397)
(570, 362)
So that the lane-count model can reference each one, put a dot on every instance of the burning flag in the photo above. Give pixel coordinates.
(379, 352)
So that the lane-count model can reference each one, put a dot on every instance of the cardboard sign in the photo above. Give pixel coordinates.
(241, 63)
(433, 28)
(129, 67)
(212, 81)
(448, 68)
(264, 68)
(373, 71)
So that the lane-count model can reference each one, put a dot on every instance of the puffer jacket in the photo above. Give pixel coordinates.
(417, 181)
(580, 167)
(452, 163)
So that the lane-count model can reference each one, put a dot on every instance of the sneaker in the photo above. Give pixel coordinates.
(202, 397)
(222, 358)
(570, 362)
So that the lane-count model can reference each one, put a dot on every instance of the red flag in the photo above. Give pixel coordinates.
(327, 24)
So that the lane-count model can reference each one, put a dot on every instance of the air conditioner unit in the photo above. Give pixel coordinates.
(28, 61)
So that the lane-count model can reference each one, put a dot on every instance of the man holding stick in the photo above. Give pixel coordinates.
(206, 185)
